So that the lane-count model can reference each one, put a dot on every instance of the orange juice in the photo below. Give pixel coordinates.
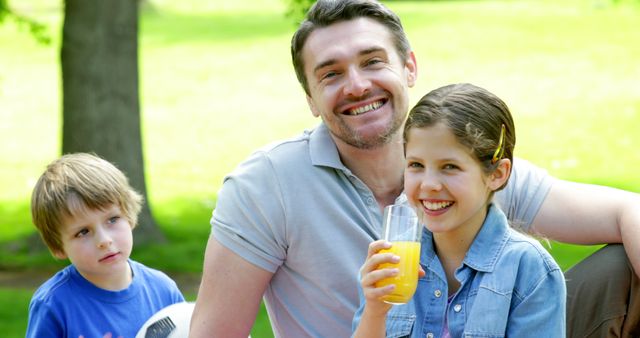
(407, 278)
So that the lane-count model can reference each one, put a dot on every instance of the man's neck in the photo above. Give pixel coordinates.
(381, 169)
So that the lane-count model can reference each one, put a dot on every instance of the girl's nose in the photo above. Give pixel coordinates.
(431, 181)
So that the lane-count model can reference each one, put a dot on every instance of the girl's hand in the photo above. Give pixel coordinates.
(370, 274)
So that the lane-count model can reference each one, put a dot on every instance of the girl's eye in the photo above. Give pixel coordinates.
(414, 165)
(450, 166)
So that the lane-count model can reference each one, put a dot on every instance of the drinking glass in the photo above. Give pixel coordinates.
(402, 229)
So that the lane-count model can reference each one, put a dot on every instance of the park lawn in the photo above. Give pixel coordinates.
(216, 83)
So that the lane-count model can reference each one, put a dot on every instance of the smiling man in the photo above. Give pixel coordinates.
(294, 221)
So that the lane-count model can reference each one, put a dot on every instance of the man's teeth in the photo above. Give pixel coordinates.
(436, 206)
(364, 109)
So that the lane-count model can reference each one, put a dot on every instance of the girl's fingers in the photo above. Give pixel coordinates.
(372, 263)
(376, 246)
(376, 293)
(376, 275)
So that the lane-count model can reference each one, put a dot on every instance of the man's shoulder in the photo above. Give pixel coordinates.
(284, 155)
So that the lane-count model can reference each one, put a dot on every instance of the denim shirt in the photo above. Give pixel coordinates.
(510, 287)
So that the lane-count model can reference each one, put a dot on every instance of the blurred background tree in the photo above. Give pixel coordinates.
(100, 101)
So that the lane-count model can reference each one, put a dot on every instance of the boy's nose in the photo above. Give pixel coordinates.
(103, 238)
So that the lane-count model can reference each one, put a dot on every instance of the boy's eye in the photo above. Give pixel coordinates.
(113, 219)
(450, 166)
(82, 233)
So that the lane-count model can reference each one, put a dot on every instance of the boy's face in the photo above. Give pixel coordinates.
(98, 243)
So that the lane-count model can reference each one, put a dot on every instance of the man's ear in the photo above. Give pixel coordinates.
(500, 175)
(412, 69)
(312, 106)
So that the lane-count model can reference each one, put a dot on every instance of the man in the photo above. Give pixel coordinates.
(293, 222)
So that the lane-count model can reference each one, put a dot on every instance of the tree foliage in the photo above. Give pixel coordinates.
(38, 30)
(296, 9)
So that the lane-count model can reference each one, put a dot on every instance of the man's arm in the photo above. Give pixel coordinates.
(229, 295)
(589, 214)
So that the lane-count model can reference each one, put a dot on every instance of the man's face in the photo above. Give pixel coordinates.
(358, 84)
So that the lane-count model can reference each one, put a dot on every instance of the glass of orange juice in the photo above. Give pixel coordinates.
(401, 227)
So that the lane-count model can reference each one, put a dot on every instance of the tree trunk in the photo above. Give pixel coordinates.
(101, 109)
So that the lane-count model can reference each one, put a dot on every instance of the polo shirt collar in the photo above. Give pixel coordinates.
(323, 150)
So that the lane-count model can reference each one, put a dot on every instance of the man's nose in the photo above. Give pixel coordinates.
(357, 84)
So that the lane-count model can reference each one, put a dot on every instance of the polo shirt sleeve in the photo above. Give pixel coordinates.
(249, 217)
(523, 196)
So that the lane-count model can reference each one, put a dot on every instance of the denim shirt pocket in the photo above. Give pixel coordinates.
(488, 313)
(399, 324)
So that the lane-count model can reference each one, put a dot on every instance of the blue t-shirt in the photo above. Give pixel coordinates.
(510, 287)
(68, 305)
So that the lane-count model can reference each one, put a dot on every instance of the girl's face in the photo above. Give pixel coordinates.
(98, 243)
(444, 182)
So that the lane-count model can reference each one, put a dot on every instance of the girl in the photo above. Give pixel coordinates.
(479, 277)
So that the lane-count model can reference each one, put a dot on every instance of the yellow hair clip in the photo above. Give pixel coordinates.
(500, 151)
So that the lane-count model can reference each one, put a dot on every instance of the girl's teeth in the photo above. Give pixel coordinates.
(437, 205)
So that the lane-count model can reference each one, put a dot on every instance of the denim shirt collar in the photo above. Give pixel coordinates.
(486, 247)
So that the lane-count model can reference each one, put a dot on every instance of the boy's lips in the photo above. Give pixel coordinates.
(109, 257)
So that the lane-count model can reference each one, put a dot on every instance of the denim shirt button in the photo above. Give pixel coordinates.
(457, 308)
(437, 293)
(429, 335)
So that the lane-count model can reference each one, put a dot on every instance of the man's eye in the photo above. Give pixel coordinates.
(371, 62)
(329, 75)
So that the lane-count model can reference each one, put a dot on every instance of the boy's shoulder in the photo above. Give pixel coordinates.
(146, 272)
(58, 287)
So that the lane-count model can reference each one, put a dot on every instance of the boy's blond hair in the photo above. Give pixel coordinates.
(74, 184)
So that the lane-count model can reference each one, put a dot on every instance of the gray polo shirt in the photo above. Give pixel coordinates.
(294, 209)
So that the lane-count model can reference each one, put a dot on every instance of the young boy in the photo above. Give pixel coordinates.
(85, 211)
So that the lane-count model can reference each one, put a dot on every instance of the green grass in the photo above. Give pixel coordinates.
(216, 83)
